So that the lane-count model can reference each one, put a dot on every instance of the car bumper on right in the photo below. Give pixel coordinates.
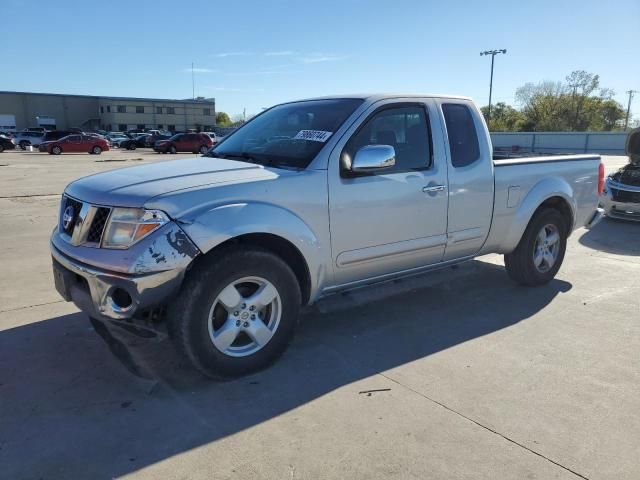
(621, 201)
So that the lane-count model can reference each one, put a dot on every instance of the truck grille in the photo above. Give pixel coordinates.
(87, 222)
(625, 196)
(77, 206)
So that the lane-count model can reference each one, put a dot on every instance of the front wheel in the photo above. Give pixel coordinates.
(24, 144)
(56, 150)
(540, 253)
(96, 150)
(236, 312)
(172, 149)
(203, 149)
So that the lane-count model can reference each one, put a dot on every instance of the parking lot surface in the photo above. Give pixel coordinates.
(460, 374)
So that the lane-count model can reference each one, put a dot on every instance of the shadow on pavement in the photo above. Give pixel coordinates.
(614, 236)
(70, 410)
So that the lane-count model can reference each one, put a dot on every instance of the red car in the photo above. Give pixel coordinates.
(76, 143)
(185, 142)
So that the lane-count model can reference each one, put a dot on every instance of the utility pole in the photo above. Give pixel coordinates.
(193, 83)
(630, 92)
(493, 54)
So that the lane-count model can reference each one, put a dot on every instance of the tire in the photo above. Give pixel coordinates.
(131, 147)
(56, 150)
(196, 316)
(530, 263)
(1, 148)
(24, 144)
(96, 150)
(203, 149)
(172, 149)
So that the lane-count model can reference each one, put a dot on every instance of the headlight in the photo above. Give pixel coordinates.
(126, 226)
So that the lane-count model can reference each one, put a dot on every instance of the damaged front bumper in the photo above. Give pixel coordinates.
(122, 284)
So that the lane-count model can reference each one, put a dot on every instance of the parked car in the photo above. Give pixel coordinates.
(621, 195)
(226, 248)
(185, 142)
(55, 135)
(151, 140)
(6, 143)
(115, 138)
(214, 137)
(133, 143)
(76, 143)
(26, 138)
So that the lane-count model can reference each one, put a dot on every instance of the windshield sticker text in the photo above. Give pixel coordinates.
(313, 135)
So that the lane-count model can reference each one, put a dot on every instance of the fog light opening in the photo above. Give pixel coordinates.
(121, 299)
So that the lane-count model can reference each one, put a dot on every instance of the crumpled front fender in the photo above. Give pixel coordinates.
(225, 222)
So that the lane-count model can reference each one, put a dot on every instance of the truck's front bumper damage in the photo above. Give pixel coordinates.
(139, 279)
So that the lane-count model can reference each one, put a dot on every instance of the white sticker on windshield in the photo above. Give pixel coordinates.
(313, 135)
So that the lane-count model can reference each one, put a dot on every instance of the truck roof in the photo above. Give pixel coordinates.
(382, 96)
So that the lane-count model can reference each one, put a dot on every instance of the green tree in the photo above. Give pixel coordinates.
(222, 119)
(578, 104)
(504, 118)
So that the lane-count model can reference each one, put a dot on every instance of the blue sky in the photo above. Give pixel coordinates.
(253, 54)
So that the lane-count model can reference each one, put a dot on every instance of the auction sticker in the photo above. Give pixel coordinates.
(313, 135)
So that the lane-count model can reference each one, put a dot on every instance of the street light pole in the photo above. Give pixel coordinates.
(493, 54)
(630, 92)
(193, 83)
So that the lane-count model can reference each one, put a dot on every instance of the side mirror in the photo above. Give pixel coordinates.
(371, 158)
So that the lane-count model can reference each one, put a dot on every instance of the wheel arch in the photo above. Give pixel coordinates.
(277, 245)
(269, 227)
(550, 192)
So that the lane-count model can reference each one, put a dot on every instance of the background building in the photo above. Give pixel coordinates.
(107, 113)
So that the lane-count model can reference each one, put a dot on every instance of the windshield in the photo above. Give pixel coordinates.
(288, 135)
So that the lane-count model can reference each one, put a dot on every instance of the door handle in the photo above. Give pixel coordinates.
(434, 188)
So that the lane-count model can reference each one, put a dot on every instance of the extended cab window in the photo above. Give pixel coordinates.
(404, 128)
(463, 138)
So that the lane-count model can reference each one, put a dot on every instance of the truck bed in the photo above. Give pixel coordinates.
(519, 180)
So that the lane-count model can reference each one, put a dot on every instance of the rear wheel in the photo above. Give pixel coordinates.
(540, 253)
(96, 150)
(1, 148)
(236, 312)
(56, 150)
(24, 144)
(203, 149)
(131, 147)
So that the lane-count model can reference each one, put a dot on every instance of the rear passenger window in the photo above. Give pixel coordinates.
(463, 138)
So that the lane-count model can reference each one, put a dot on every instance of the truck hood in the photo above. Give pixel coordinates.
(135, 186)
(627, 175)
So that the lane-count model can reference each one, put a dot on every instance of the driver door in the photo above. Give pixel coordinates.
(73, 144)
(396, 219)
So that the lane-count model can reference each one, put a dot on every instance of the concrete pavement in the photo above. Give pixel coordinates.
(461, 374)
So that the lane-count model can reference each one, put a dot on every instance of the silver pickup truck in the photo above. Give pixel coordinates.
(308, 198)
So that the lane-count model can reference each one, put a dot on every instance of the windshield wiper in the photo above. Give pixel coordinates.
(243, 156)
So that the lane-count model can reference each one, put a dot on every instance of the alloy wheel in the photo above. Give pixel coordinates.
(547, 248)
(244, 316)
